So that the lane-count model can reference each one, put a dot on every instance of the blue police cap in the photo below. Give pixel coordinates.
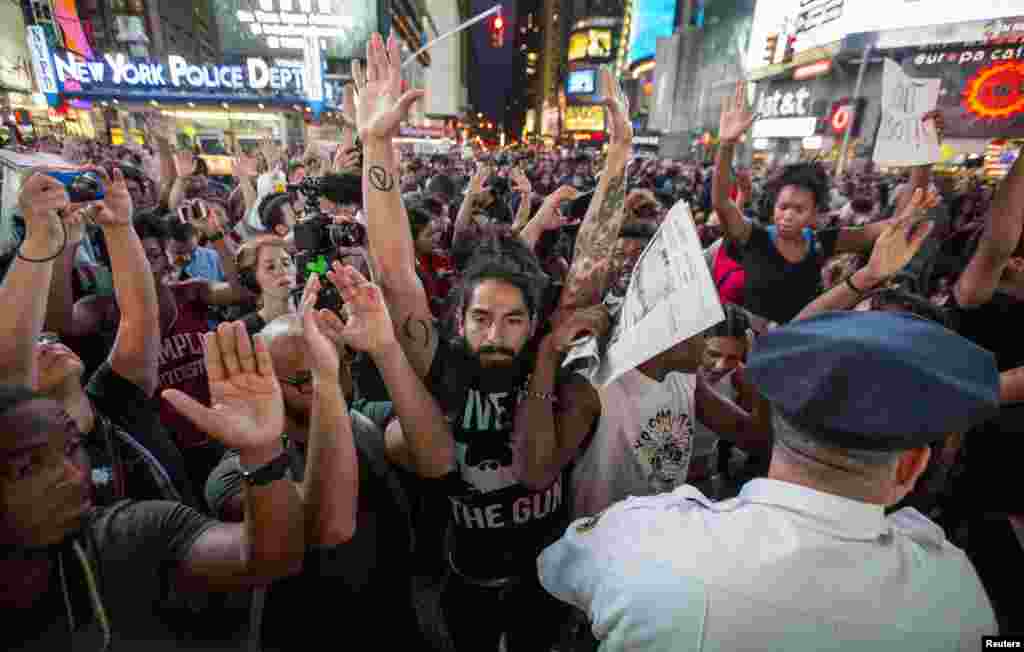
(875, 380)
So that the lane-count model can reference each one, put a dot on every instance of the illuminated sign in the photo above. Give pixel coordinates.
(584, 118)
(273, 26)
(842, 118)
(812, 70)
(784, 104)
(997, 91)
(649, 20)
(590, 44)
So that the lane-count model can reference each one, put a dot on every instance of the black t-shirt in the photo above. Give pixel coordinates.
(500, 526)
(121, 403)
(995, 449)
(777, 289)
(365, 577)
(994, 326)
(131, 547)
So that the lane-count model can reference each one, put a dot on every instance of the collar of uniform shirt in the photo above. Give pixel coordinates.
(836, 515)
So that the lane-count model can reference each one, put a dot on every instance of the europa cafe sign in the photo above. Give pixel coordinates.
(117, 74)
(983, 88)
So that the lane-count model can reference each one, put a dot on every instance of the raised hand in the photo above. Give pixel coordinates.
(40, 198)
(368, 326)
(594, 320)
(381, 106)
(245, 166)
(321, 331)
(184, 163)
(901, 238)
(348, 106)
(736, 116)
(550, 211)
(246, 409)
(115, 210)
(619, 126)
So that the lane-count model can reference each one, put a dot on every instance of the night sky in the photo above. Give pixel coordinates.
(493, 72)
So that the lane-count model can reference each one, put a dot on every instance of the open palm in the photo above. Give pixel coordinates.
(736, 115)
(902, 237)
(246, 408)
(368, 327)
(380, 104)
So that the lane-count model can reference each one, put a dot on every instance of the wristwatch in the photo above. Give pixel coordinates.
(270, 472)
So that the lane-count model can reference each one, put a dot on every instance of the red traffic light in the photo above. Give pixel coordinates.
(499, 23)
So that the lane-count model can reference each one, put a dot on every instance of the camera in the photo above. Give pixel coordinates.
(317, 240)
(82, 186)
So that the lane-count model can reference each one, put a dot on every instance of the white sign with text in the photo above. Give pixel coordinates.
(904, 139)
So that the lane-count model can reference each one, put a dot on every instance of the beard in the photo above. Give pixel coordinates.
(495, 373)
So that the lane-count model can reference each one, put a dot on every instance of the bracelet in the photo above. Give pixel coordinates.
(543, 396)
(52, 258)
(214, 237)
(849, 283)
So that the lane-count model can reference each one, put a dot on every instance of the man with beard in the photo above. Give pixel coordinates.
(497, 523)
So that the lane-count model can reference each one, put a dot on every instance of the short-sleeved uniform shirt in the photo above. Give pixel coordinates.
(780, 567)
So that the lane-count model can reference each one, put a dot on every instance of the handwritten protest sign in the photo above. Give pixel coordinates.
(903, 138)
(671, 298)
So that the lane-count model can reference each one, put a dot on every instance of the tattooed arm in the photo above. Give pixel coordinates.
(380, 109)
(588, 276)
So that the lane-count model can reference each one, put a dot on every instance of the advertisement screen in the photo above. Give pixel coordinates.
(590, 44)
(651, 20)
(584, 118)
(581, 82)
(278, 27)
(982, 89)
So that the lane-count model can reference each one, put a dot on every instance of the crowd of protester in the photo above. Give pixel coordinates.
(200, 451)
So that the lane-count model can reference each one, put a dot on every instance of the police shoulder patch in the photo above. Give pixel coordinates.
(589, 523)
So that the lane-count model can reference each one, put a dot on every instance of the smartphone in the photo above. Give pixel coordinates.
(82, 186)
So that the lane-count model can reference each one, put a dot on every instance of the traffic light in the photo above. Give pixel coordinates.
(498, 31)
(771, 46)
(787, 55)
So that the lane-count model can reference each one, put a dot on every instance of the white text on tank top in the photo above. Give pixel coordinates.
(643, 443)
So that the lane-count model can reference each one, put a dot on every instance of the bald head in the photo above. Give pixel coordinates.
(285, 339)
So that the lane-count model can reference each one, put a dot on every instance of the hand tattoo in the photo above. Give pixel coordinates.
(380, 179)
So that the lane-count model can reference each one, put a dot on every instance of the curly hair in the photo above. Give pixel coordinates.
(498, 254)
(811, 177)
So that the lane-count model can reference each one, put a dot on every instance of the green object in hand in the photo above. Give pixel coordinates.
(318, 266)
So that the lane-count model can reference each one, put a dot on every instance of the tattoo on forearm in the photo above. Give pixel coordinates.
(594, 246)
(418, 331)
(381, 179)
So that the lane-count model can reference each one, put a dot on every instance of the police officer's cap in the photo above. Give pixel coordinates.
(875, 380)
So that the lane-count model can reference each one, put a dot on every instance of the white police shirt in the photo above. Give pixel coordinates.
(779, 567)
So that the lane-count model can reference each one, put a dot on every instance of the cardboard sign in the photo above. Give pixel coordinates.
(904, 139)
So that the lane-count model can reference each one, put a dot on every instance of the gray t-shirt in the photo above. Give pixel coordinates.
(132, 547)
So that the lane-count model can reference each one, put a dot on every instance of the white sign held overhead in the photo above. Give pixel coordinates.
(671, 298)
(904, 139)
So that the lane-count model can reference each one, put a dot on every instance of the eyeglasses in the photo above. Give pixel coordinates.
(48, 338)
(299, 380)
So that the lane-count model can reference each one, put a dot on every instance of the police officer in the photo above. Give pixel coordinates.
(805, 559)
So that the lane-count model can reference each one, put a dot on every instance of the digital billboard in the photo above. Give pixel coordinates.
(650, 20)
(584, 118)
(279, 27)
(590, 44)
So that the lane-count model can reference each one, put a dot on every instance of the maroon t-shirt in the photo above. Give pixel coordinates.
(181, 363)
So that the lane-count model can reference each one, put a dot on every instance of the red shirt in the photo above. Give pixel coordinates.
(729, 277)
(434, 271)
(181, 363)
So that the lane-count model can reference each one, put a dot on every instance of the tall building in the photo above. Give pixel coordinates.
(552, 100)
(146, 28)
(527, 103)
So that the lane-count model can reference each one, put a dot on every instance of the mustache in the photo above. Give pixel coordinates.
(484, 350)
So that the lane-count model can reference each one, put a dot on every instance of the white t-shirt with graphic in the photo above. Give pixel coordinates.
(643, 443)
